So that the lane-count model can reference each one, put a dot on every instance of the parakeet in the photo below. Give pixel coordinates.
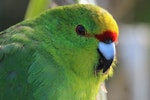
(65, 53)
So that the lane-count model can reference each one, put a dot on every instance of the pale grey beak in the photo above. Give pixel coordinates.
(107, 53)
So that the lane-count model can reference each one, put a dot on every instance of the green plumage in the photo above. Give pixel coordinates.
(45, 59)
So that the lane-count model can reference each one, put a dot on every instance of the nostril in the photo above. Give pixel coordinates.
(107, 41)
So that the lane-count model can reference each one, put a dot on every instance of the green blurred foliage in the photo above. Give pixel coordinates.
(11, 12)
(35, 7)
(142, 11)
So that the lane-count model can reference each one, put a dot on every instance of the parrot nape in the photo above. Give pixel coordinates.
(65, 53)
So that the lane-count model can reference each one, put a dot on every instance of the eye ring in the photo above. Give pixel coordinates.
(80, 30)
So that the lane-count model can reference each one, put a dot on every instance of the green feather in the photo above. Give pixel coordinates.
(45, 59)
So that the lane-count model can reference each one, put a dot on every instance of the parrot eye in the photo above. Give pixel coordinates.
(81, 30)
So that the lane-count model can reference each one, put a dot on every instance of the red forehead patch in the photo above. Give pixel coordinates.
(107, 35)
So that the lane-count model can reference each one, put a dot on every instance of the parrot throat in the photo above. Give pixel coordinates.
(103, 63)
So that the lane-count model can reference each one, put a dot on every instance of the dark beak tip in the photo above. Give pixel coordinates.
(107, 65)
(103, 63)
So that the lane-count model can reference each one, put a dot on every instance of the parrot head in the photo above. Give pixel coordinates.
(62, 54)
(75, 50)
(85, 36)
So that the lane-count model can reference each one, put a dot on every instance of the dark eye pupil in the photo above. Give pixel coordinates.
(80, 30)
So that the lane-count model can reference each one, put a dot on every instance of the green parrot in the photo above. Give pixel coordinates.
(63, 54)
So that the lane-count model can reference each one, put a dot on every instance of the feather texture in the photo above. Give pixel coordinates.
(45, 59)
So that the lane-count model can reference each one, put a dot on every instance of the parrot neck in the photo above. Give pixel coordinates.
(65, 74)
(59, 79)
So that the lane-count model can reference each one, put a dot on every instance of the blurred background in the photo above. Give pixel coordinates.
(131, 80)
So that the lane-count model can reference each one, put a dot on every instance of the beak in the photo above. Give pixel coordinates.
(107, 53)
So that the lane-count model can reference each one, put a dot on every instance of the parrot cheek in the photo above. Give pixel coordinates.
(107, 53)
